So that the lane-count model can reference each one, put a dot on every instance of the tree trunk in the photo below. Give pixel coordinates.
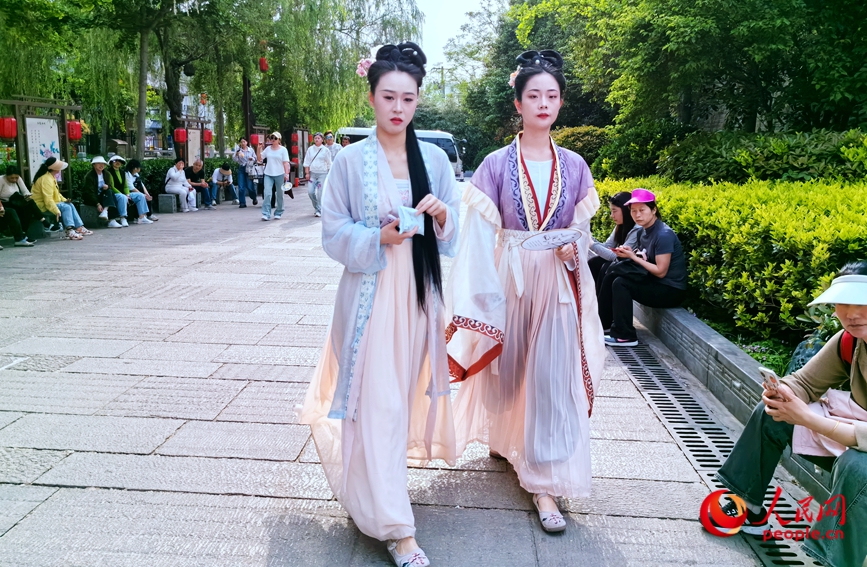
(221, 128)
(141, 113)
(103, 139)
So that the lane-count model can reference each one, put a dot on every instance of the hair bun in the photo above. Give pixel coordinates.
(546, 57)
(407, 52)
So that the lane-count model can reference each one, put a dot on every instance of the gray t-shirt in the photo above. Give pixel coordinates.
(660, 239)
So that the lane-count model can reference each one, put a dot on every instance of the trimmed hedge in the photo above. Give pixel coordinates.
(583, 140)
(759, 252)
(736, 157)
(633, 151)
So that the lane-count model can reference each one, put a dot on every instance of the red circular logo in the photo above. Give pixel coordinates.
(717, 522)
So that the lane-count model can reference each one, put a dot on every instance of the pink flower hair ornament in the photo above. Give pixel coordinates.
(514, 76)
(365, 63)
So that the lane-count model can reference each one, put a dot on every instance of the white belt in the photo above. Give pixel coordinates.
(510, 263)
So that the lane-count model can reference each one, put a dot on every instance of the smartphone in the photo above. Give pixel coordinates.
(770, 380)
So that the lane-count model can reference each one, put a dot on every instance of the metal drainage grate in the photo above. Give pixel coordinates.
(706, 444)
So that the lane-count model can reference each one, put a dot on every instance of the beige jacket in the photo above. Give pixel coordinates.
(827, 371)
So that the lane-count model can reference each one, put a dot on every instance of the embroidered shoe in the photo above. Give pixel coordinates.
(611, 341)
(552, 522)
(415, 558)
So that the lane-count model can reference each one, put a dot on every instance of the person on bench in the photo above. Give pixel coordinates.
(18, 204)
(625, 233)
(831, 433)
(653, 273)
(96, 191)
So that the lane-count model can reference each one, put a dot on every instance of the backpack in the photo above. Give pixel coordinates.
(846, 352)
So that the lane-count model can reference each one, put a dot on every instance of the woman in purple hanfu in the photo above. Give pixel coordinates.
(524, 338)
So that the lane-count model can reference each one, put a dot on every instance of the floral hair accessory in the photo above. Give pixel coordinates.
(365, 63)
(514, 76)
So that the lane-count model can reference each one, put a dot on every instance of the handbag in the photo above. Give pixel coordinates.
(626, 268)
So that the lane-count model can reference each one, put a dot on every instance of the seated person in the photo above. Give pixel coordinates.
(47, 196)
(835, 438)
(222, 179)
(661, 282)
(196, 179)
(138, 193)
(15, 197)
(96, 191)
(118, 187)
(9, 220)
(625, 233)
(177, 184)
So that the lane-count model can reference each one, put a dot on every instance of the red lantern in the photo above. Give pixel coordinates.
(294, 150)
(295, 137)
(8, 128)
(294, 161)
(309, 138)
(180, 135)
(263, 64)
(255, 139)
(73, 130)
(208, 136)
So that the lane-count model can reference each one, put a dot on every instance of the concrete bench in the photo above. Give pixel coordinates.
(728, 372)
(171, 203)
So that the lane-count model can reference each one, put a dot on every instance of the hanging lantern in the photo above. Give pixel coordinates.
(295, 137)
(8, 128)
(263, 64)
(203, 99)
(73, 130)
(208, 136)
(294, 150)
(180, 135)
(255, 139)
(309, 138)
(294, 161)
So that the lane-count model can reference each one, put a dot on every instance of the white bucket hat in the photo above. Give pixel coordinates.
(848, 290)
(116, 158)
(97, 159)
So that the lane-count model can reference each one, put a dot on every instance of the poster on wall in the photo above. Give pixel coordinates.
(194, 145)
(43, 141)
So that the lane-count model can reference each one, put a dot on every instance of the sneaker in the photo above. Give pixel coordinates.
(185, 210)
(266, 218)
(317, 214)
(255, 202)
(277, 217)
(114, 224)
(611, 341)
(104, 214)
(24, 242)
(235, 202)
(31, 240)
(123, 222)
(756, 524)
(153, 218)
(55, 227)
(193, 209)
(145, 220)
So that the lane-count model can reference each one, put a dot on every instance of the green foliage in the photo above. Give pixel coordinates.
(584, 140)
(634, 150)
(759, 252)
(736, 157)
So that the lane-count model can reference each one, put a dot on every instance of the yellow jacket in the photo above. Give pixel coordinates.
(46, 195)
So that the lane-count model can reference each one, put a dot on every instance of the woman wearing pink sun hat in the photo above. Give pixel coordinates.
(653, 274)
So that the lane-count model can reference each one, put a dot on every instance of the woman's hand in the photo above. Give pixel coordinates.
(565, 253)
(99, 207)
(390, 235)
(784, 405)
(625, 252)
(435, 208)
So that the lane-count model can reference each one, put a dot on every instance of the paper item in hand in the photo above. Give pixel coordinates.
(410, 219)
(551, 239)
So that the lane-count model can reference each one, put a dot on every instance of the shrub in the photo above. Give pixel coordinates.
(759, 252)
(730, 156)
(583, 140)
(634, 151)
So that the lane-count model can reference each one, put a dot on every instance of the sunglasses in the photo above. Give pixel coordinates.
(272, 137)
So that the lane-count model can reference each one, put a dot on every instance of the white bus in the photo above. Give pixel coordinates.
(438, 138)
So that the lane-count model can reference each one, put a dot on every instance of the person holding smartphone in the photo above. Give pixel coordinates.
(832, 434)
(276, 173)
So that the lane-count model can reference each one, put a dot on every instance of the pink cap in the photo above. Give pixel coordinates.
(641, 196)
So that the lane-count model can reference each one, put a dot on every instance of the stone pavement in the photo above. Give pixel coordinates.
(147, 383)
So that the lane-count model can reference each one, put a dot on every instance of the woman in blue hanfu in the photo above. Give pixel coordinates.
(524, 334)
(380, 394)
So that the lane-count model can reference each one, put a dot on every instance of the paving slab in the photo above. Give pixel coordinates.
(238, 334)
(626, 419)
(237, 440)
(184, 398)
(26, 465)
(643, 460)
(617, 389)
(188, 352)
(143, 367)
(119, 327)
(7, 417)
(70, 347)
(295, 335)
(88, 433)
(189, 474)
(43, 363)
(257, 354)
(58, 392)
(264, 372)
(113, 528)
(639, 498)
(469, 489)
(639, 542)
(258, 317)
(266, 402)
(18, 501)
